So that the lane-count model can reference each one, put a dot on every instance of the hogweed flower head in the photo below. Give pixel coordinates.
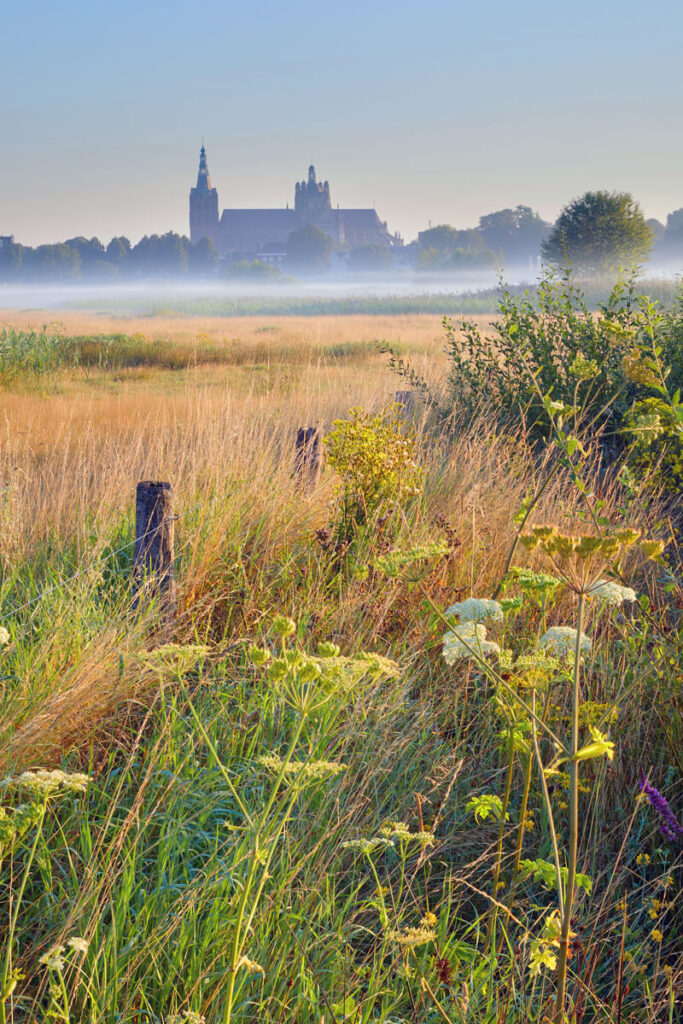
(611, 593)
(4, 636)
(475, 609)
(53, 959)
(78, 944)
(42, 782)
(411, 937)
(301, 769)
(560, 641)
(582, 368)
(466, 641)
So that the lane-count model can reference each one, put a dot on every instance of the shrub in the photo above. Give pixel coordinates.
(552, 343)
(374, 456)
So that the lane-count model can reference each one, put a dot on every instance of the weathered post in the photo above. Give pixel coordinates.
(153, 573)
(307, 458)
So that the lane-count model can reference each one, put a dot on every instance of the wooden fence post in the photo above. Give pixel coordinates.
(153, 572)
(307, 457)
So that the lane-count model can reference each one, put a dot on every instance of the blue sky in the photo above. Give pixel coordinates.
(434, 111)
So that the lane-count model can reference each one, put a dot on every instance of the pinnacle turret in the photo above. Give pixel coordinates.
(203, 177)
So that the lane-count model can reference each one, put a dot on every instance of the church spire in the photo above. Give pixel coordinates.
(203, 178)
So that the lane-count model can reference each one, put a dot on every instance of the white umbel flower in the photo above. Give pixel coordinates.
(476, 609)
(611, 593)
(467, 640)
(4, 636)
(561, 641)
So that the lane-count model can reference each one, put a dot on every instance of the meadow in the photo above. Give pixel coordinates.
(409, 748)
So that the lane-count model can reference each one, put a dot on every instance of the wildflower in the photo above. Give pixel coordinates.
(367, 846)
(398, 830)
(651, 548)
(411, 937)
(643, 858)
(4, 636)
(669, 826)
(44, 783)
(283, 626)
(476, 609)
(561, 641)
(611, 593)
(467, 640)
(186, 1017)
(600, 745)
(656, 935)
(250, 965)
(53, 959)
(258, 655)
(79, 944)
(582, 368)
(429, 920)
(306, 769)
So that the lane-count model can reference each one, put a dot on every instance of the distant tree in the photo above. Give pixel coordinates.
(670, 240)
(11, 260)
(161, 254)
(118, 251)
(203, 257)
(308, 249)
(52, 263)
(515, 235)
(599, 232)
(257, 269)
(371, 257)
(674, 222)
(444, 247)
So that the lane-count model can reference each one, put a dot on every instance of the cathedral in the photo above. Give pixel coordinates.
(263, 234)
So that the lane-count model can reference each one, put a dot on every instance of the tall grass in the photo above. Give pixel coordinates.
(187, 854)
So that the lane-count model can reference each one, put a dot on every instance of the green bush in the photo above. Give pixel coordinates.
(374, 456)
(552, 343)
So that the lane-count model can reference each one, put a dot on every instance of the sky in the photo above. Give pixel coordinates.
(432, 112)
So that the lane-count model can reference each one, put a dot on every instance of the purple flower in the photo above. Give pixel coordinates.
(669, 825)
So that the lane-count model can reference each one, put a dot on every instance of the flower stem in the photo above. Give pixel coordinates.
(573, 823)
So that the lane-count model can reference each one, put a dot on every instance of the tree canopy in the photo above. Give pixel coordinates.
(516, 234)
(309, 249)
(600, 232)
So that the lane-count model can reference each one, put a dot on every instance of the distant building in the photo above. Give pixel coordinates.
(6, 241)
(263, 234)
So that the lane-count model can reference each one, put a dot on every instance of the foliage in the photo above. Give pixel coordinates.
(370, 257)
(553, 343)
(374, 456)
(282, 826)
(256, 269)
(514, 234)
(600, 232)
(444, 247)
(308, 249)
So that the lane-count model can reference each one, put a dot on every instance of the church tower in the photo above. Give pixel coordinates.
(312, 200)
(203, 205)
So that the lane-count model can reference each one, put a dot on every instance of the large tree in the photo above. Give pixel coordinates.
(308, 249)
(514, 234)
(599, 232)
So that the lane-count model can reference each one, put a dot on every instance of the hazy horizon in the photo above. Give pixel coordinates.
(441, 116)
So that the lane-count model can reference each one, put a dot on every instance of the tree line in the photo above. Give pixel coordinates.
(597, 233)
(82, 259)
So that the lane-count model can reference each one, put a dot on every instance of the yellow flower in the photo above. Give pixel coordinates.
(656, 935)
(429, 920)
(643, 858)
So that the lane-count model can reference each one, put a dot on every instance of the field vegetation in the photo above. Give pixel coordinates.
(409, 749)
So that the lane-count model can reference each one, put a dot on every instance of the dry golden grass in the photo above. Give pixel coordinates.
(224, 437)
